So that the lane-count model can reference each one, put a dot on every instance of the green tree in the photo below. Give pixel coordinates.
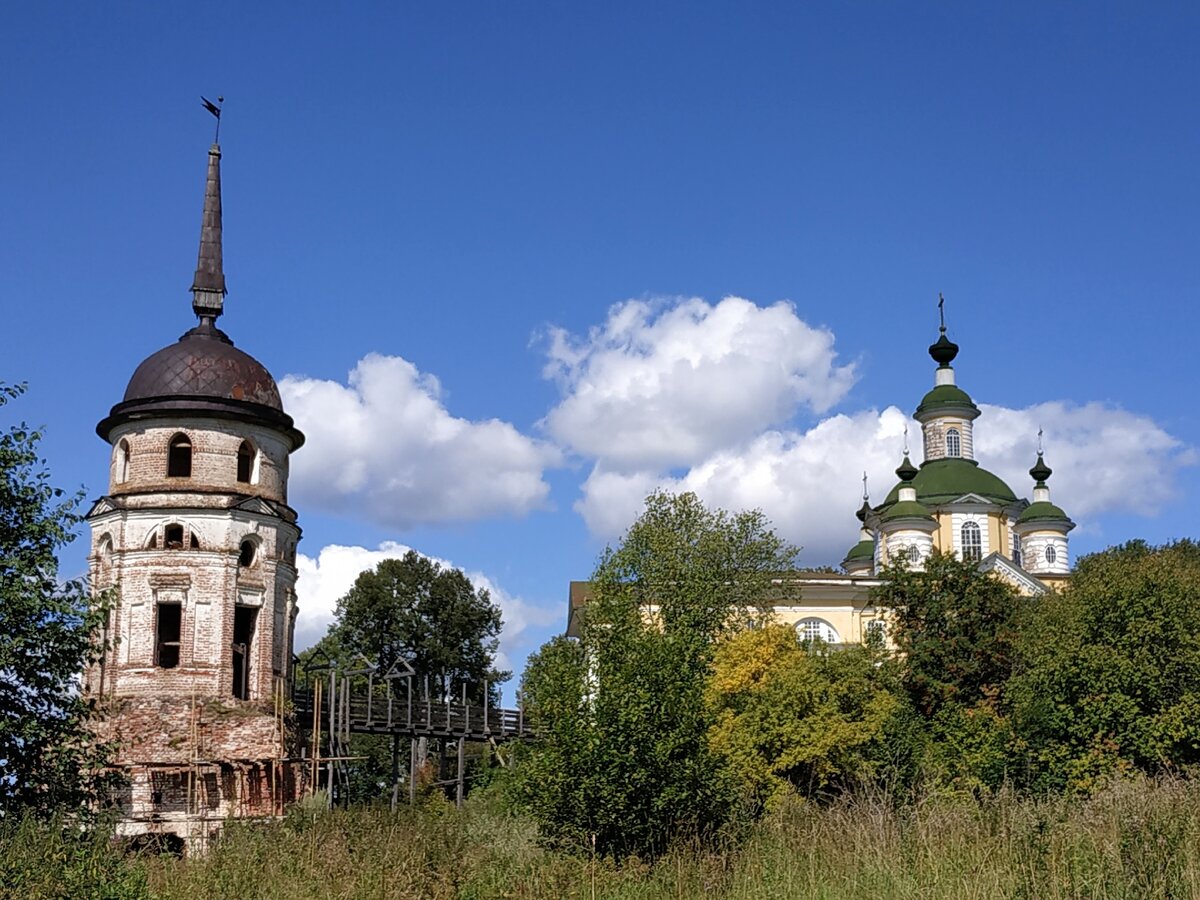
(791, 718)
(956, 629)
(623, 764)
(415, 610)
(1110, 675)
(432, 617)
(48, 633)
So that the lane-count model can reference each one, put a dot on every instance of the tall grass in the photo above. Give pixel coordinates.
(1135, 839)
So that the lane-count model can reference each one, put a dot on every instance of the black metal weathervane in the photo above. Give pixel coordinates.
(215, 109)
(941, 307)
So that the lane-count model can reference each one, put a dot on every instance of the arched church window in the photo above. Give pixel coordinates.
(179, 457)
(246, 553)
(1051, 555)
(246, 463)
(953, 442)
(914, 553)
(1016, 553)
(122, 460)
(195, 541)
(972, 541)
(173, 537)
(814, 629)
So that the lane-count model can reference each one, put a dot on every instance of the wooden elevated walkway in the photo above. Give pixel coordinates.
(367, 710)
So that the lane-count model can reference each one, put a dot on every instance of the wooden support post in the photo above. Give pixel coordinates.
(370, 691)
(332, 767)
(412, 772)
(462, 746)
(395, 770)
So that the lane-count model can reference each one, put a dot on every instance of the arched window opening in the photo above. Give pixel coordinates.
(195, 541)
(179, 457)
(1051, 555)
(914, 553)
(1016, 550)
(173, 537)
(245, 463)
(953, 442)
(247, 553)
(152, 544)
(122, 461)
(972, 541)
(809, 630)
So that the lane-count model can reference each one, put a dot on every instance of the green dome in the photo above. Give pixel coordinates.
(946, 396)
(861, 550)
(943, 480)
(906, 509)
(1042, 511)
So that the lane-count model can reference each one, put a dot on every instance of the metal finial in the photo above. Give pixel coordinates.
(941, 313)
(906, 440)
(1039, 440)
(866, 496)
(215, 109)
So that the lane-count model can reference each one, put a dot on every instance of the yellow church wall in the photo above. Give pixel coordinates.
(994, 535)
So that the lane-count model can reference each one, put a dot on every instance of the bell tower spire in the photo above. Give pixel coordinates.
(208, 287)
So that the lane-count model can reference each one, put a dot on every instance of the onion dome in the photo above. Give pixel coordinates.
(943, 350)
(906, 504)
(1041, 509)
(1040, 471)
(203, 373)
(863, 511)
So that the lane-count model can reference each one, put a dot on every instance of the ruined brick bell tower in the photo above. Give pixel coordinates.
(196, 536)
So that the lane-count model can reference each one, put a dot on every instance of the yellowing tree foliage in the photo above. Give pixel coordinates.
(793, 718)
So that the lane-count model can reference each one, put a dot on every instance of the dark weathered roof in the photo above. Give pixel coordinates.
(203, 374)
(204, 363)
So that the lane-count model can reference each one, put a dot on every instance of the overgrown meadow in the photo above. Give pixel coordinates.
(1133, 838)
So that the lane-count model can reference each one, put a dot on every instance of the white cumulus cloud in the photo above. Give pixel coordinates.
(385, 446)
(664, 384)
(1106, 459)
(325, 578)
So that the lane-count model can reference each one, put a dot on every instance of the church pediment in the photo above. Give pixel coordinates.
(974, 500)
(258, 506)
(100, 507)
(1009, 571)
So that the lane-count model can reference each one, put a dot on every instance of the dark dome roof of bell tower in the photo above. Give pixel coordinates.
(204, 364)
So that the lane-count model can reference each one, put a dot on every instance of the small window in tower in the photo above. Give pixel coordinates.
(166, 635)
(173, 537)
(194, 544)
(1016, 550)
(245, 462)
(122, 461)
(179, 457)
(246, 553)
(1051, 555)
(953, 442)
(972, 541)
(914, 553)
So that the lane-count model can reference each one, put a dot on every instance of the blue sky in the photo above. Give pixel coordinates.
(520, 224)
